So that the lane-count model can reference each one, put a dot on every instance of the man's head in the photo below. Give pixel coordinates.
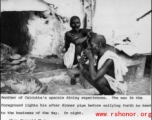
(98, 44)
(75, 23)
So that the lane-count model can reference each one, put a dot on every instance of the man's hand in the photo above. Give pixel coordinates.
(89, 34)
(82, 60)
(89, 54)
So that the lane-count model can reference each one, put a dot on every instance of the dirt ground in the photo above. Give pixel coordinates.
(63, 86)
(141, 86)
(138, 87)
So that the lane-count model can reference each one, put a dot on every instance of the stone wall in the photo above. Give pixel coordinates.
(48, 34)
(48, 22)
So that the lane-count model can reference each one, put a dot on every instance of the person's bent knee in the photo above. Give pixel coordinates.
(84, 72)
(102, 82)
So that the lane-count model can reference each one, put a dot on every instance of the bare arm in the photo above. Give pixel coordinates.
(81, 40)
(96, 75)
(75, 40)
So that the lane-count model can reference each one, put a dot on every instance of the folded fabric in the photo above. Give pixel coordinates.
(119, 87)
(69, 56)
(120, 68)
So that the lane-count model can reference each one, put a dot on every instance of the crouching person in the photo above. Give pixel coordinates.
(107, 76)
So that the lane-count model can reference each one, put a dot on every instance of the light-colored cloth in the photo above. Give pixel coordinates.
(120, 69)
(69, 56)
(119, 87)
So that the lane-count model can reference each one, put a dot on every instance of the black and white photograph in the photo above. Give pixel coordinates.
(76, 47)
